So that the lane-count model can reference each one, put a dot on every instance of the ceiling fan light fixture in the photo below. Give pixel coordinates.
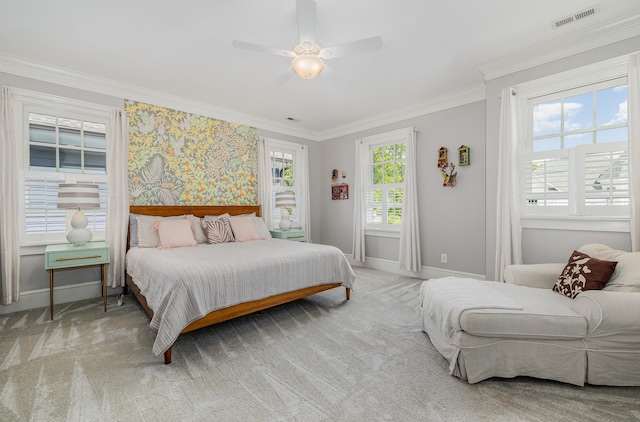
(307, 66)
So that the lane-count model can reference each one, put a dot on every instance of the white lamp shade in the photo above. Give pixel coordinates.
(78, 195)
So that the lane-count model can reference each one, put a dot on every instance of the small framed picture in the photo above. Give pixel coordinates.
(464, 159)
(340, 191)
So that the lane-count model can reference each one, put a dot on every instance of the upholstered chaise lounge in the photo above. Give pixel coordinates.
(523, 327)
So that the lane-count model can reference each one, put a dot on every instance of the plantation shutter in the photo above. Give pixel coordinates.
(605, 179)
(42, 217)
(546, 181)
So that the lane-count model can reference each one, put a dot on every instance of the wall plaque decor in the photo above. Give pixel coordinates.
(449, 174)
(464, 159)
(442, 157)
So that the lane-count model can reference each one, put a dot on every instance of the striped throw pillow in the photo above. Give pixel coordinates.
(218, 229)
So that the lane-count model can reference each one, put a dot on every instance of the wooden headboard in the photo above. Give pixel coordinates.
(197, 210)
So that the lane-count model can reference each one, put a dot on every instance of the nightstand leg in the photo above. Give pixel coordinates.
(51, 293)
(104, 286)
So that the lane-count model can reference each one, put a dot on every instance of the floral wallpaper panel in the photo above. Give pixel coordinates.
(179, 158)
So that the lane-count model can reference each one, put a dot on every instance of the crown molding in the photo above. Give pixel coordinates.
(57, 75)
(470, 95)
(66, 77)
(563, 46)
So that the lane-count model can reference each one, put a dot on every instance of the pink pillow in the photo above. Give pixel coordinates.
(244, 229)
(174, 233)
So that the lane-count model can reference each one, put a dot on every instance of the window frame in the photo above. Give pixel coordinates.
(299, 212)
(34, 102)
(612, 72)
(369, 143)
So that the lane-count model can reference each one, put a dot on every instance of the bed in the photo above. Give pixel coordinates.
(184, 289)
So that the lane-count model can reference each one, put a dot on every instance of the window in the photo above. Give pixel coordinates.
(63, 141)
(287, 175)
(575, 156)
(384, 184)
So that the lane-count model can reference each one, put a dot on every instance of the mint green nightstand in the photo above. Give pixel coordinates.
(294, 235)
(65, 256)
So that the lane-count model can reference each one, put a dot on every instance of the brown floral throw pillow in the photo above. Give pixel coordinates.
(583, 273)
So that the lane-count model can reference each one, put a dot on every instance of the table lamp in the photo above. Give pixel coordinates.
(284, 201)
(78, 196)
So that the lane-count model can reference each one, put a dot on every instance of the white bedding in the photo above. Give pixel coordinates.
(182, 285)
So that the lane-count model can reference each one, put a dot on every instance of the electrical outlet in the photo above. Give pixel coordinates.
(443, 258)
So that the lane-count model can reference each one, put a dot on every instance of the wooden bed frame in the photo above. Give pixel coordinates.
(231, 312)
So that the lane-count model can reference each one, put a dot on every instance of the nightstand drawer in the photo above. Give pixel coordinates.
(66, 256)
(293, 235)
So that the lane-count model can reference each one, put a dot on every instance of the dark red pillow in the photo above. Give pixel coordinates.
(583, 273)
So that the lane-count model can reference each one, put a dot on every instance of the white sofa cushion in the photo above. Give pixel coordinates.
(542, 276)
(626, 277)
(544, 314)
(597, 250)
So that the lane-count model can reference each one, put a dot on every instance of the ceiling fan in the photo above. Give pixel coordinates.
(308, 57)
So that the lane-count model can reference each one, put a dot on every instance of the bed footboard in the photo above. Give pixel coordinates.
(235, 311)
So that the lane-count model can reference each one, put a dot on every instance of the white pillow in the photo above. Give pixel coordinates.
(263, 231)
(626, 277)
(599, 251)
(198, 231)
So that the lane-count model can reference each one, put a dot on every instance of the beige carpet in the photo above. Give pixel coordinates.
(318, 359)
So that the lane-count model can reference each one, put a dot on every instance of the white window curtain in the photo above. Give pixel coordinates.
(359, 194)
(508, 226)
(9, 209)
(303, 168)
(118, 201)
(633, 114)
(410, 259)
(265, 183)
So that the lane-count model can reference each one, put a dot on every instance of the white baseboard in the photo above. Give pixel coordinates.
(426, 272)
(63, 294)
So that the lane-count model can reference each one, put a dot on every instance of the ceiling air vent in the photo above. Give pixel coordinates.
(575, 17)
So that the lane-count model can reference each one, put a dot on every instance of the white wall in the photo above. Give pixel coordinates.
(542, 245)
(451, 219)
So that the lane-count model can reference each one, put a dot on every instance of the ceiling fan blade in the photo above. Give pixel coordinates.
(354, 47)
(262, 49)
(306, 12)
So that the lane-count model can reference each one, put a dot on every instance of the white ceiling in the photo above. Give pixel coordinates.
(432, 50)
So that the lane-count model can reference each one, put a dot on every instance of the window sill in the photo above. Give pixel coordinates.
(594, 224)
(383, 233)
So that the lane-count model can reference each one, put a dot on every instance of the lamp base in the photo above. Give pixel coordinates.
(79, 235)
(285, 223)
